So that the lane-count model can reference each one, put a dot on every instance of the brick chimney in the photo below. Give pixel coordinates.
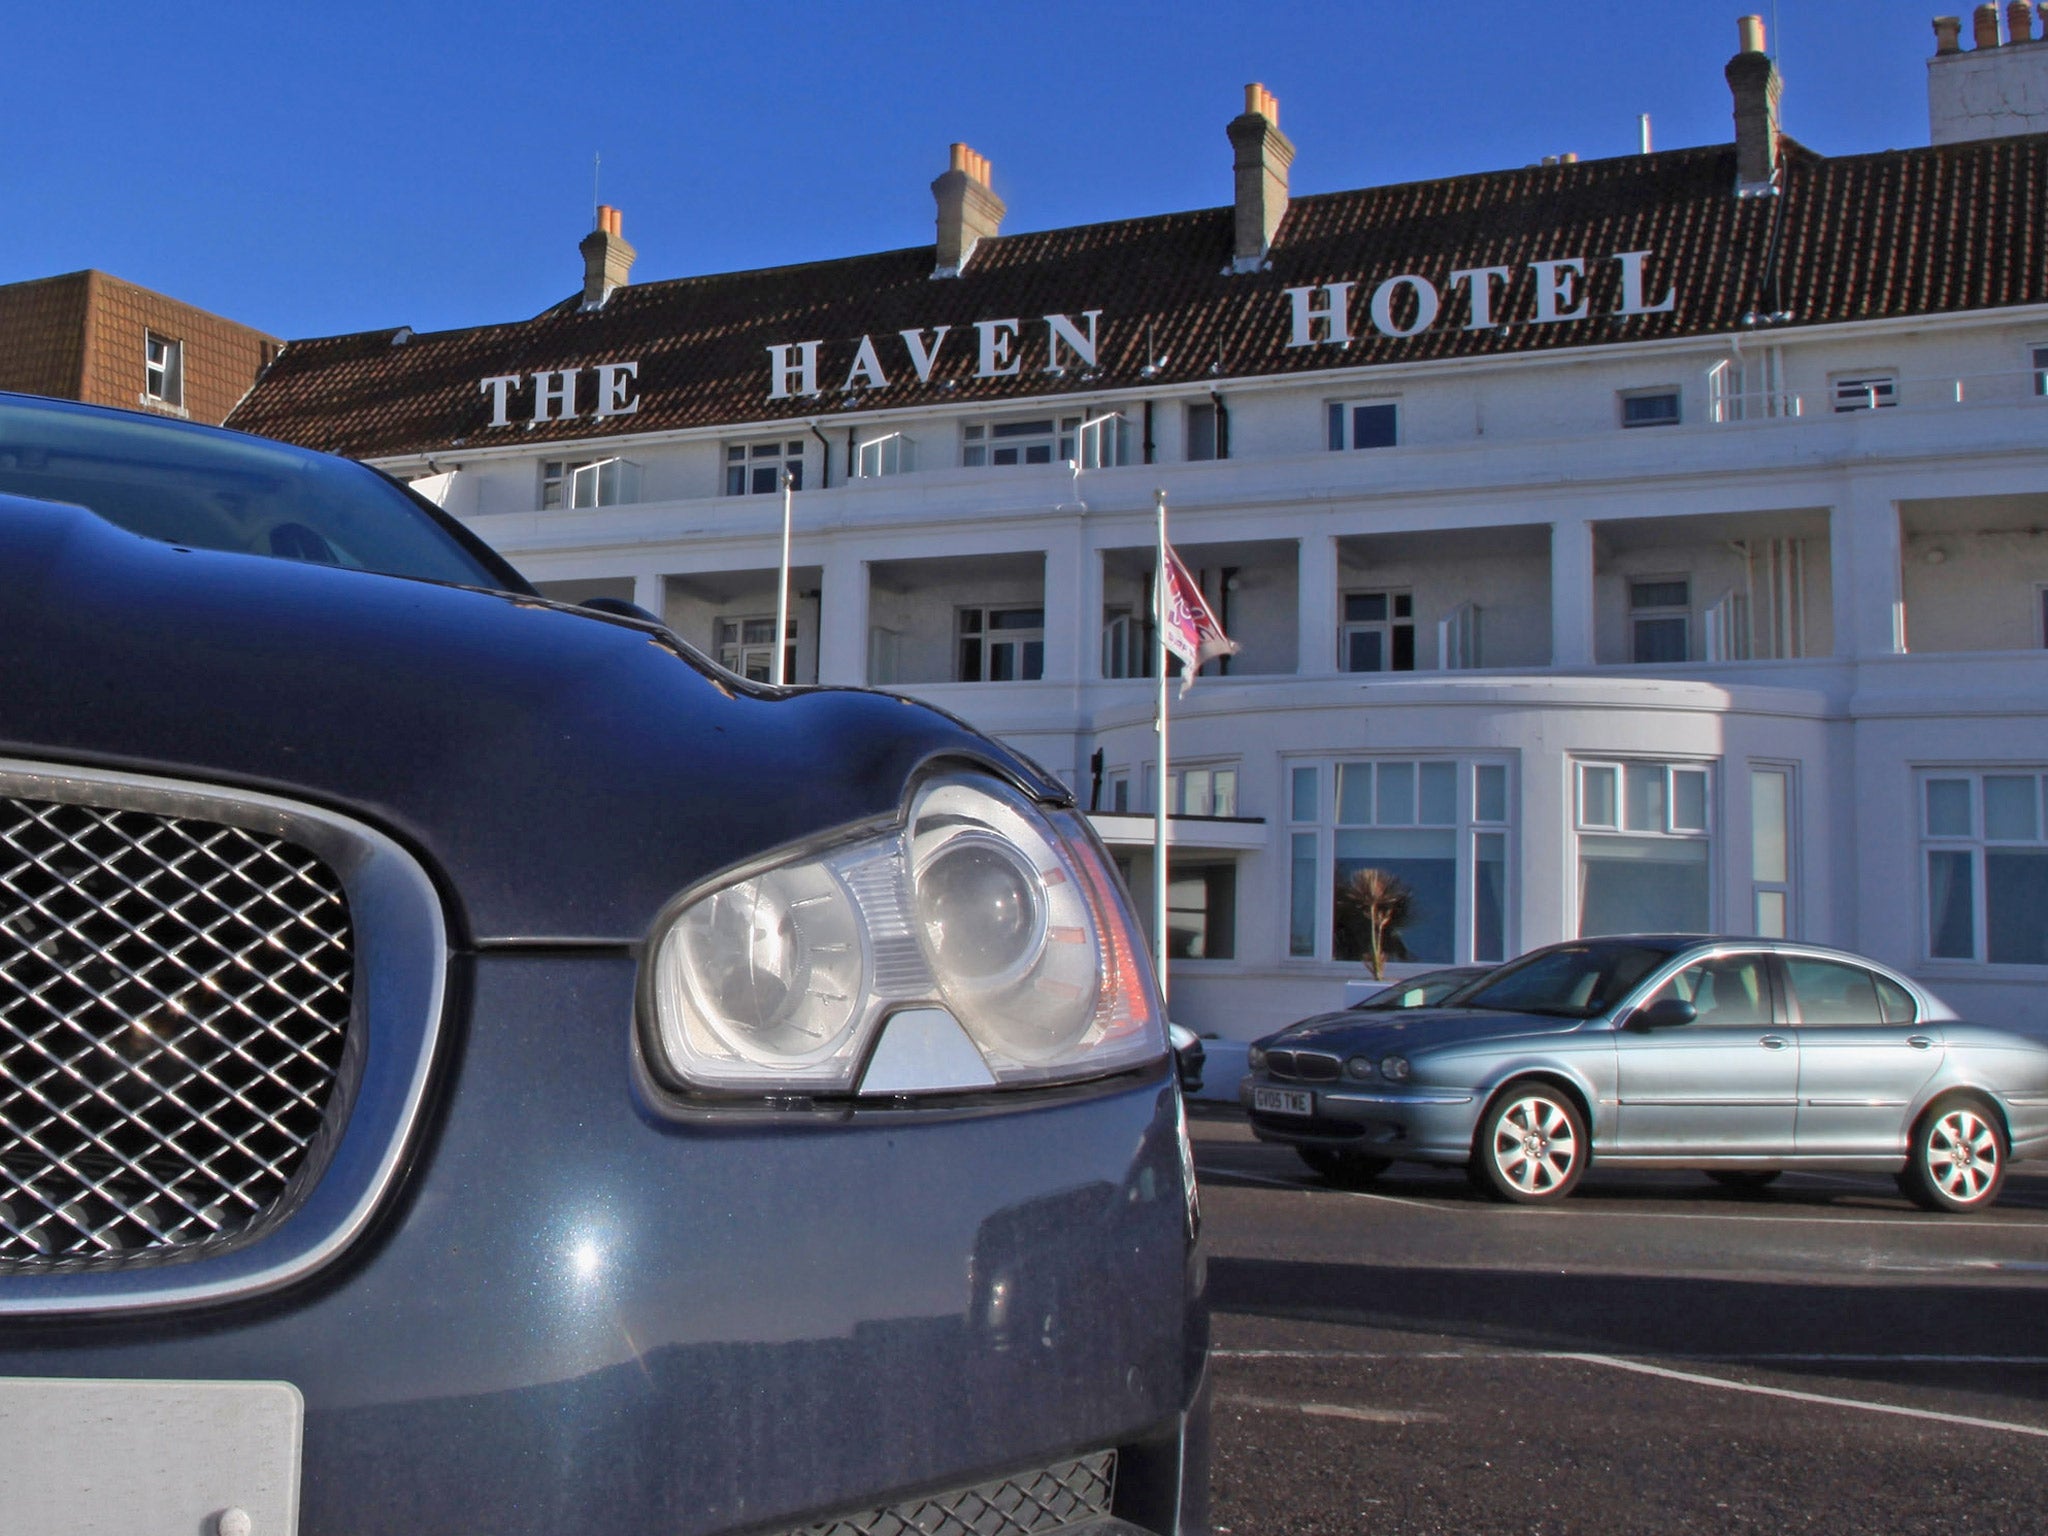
(1753, 78)
(1263, 154)
(607, 259)
(968, 210)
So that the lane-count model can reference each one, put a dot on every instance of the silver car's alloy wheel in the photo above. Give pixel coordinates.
(1962, 1156)
(1533, 1145)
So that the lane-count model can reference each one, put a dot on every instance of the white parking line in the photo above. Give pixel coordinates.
(1336, 1410)
(1744, 1358)
(1578, 1211)
(1640, 1368)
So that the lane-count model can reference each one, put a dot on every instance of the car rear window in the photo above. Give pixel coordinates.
(216, 490)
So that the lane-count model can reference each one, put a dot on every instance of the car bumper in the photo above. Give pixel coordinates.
(1420, 1124)
(578, 1306)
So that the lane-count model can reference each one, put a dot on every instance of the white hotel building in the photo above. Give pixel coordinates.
(1658, 542)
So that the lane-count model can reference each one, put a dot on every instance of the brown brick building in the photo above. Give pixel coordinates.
(92, 337)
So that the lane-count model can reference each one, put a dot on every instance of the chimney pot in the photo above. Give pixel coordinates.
(1262, 155)
(1984, 22)
(968, 210)
(607, 258)
(2019, 21)
(1754, 80)
(1948, 34)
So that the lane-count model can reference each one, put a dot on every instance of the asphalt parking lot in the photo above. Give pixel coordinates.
(1655, 1355)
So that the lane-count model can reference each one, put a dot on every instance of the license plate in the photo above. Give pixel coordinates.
(149, 1458)
(1284, 1101)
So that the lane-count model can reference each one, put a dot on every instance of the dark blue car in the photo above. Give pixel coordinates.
(469, 1064)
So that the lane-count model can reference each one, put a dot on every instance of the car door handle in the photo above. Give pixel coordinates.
(1920, 1042)
(1774, 1042)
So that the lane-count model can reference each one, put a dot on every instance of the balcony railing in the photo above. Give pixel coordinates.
(1880, 392)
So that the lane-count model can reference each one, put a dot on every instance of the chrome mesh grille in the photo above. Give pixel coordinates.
(1304, 1066)
(174, 1003)
(1051, 1499)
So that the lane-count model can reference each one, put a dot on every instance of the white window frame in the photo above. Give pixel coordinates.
(163, 370)
(1583, 826)
(749, 458)
(734, 654)
(1206, 781)
(1785, 890)
(567, 484)
(1018, 637)
(2037, 356)
(1661, 613)
(1020, 442)
(1866, 389)
(1671, 392)
(1977, 843)
(1340, 421)
(895, 453)
(1319, 834)
(1215, 431)
(1385, 628)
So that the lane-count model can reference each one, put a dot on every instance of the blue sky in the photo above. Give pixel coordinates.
(319, 169)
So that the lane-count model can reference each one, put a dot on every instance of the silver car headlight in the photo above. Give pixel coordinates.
(981, 943)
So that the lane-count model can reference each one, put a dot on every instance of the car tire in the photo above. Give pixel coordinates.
(1745, 1181)
(1346, 1170)
(1532, 1145)
(1956, 1158)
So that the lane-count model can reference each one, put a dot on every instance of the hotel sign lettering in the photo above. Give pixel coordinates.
(1555, 292)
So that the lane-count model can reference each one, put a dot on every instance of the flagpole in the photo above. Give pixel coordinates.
(1159, 620)
(782, 590)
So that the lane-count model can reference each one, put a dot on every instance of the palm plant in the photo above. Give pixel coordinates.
(1373, 907)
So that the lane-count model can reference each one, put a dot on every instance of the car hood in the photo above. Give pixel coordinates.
(1354, 1033)
(565, 775)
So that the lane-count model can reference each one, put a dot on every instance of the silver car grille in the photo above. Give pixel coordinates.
(1304, 1066)
(1065, 1496)
(175, 997)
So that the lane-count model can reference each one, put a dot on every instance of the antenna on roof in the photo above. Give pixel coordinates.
(596, 166)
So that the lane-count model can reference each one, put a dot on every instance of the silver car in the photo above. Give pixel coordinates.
(1739, 1057)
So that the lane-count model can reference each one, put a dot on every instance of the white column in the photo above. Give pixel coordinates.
(1064, 615)
(1863, 560)
(651, 593)
(843, 619)
(1571, 594)
(1315, 605)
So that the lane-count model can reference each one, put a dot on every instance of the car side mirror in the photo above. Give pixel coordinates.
(1665, 1013)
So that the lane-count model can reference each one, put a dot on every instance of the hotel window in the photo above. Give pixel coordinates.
(894, 454)
(1203, 442)
(1644, 841)
(1864, 391)
(747, 646)
(2040, 370)
(588, 483)
(1116, 789)
(1985, 841)
(1363, 424)
(1001, 645)
(1201, 911)
(756, 469)
(163, 369)
(1092, 443)
(1649, 408)
(1659, 618)
(1202, 792)
(1379, 632)
(1770, 852)
(1440, 826)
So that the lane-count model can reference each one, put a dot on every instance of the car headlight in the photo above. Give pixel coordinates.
(1359, 1069)
(982, 942)
(1395, 1069)
(1255, 1059)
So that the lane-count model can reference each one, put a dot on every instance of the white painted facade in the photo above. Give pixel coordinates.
(1892, 560)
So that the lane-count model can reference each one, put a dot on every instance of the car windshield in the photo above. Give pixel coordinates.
(1424, 991)
(1573, 981)
(217, 490)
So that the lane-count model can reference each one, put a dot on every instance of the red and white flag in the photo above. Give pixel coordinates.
(1191, 631)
